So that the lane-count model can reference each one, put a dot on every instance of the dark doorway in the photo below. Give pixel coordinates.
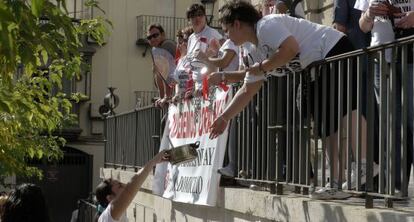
(64, 182)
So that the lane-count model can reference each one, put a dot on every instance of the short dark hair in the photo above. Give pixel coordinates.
(157, 26)
(102, 190)
(25, 203)
(239, 10)
(187, 31)
(194, 9)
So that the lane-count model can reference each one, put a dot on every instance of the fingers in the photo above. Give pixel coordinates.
(217, 128)
(166, 156)
(378, 10)
(163, 156)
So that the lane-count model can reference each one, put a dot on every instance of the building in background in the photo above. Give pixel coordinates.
(124, 64)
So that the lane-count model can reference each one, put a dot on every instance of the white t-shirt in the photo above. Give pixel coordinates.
(182, 76)
(202, 39)
(229, 45)
(106, 216)
(382, 31)
(315, 41)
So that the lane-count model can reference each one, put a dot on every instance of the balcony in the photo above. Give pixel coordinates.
(281, 148)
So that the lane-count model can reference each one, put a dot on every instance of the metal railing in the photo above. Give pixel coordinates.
(132, 137)
(144, 98)
(281, 137)
(170, 24)
(284, 140)
(86, 211)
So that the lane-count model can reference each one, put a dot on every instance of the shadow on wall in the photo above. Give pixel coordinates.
(186, 212)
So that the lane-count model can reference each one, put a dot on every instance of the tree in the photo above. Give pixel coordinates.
(39, 45)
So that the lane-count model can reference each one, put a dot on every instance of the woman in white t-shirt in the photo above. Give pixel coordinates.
(275, 45)
(271, 51)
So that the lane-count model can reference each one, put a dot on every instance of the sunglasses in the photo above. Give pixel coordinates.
(155, 35)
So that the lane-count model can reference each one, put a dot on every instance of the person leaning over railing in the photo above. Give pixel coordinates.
(156, 39)
(274, 44)
(114, 197)
(387, 22)
(182, 73)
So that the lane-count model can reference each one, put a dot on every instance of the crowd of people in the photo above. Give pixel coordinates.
(251, 49)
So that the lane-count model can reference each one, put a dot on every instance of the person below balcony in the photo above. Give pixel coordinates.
(114, 197)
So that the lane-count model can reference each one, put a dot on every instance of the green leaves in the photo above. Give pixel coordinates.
(37, 6)
(39, 50)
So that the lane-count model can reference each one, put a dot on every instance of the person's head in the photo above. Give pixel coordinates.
(107, 190)
(236, 16)
(155, 34)
(182, 41)
(196, 15)
(25, 203)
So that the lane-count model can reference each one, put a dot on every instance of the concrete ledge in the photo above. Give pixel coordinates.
(241, 204)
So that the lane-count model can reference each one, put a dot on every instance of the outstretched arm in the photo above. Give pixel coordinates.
(240, 100)
(286, 52)
(122, 201)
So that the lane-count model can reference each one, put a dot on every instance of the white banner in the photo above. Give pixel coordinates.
(197, 181)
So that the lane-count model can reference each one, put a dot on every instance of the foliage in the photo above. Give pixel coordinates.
(39, 45)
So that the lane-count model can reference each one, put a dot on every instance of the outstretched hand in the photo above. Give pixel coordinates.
(162, 156)
(218, 127)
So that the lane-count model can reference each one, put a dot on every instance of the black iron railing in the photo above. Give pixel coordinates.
(133, 137)
(145, 98)
(86, 211)
(282, 137)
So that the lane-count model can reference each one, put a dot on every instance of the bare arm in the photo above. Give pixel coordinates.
(287, 51)
(366, 21)
(239, 101)
(121, 202)
(223, 61)
(228, 76)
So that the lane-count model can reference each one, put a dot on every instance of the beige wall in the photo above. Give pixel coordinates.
(120, 63)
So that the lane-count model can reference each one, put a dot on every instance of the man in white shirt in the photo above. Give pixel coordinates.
(201, 39)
